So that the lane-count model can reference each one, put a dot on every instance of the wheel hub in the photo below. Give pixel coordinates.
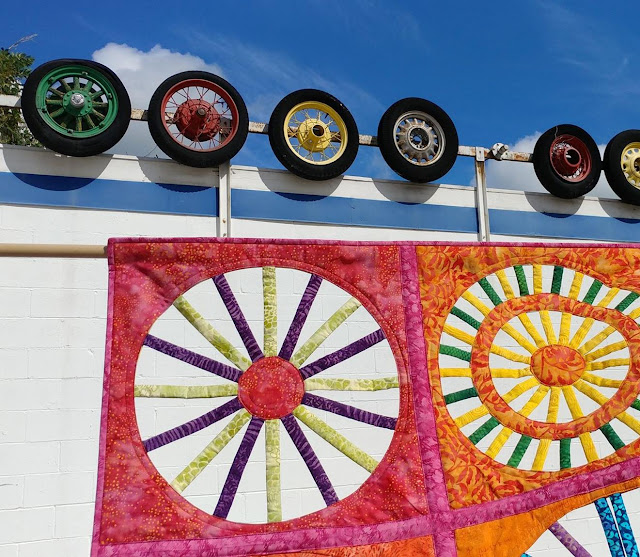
(271, 388)
(566, 159)
(197, 120)
(417, 140)
(314, 135)
(77, 103)
(570, 158)
(631, 162)
(557, 366)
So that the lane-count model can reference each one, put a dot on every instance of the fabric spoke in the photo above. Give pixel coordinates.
(184, 391)
(552, 416)
(331, 384)
(274, 491)
(341, 409)
(238, 318)
(270, 303)
(300, 317)
(568, 541)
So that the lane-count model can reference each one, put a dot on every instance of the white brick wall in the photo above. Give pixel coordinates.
(52, 325)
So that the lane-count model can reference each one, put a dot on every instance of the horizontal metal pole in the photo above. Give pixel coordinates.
(140, 114)
(53, 250)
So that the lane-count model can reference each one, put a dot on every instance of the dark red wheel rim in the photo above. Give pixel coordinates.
(570, 158)
(200, 115)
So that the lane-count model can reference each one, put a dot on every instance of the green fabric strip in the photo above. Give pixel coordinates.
(270, 311)
(184, 391)
(455, 352)
(565, 453)
(596, 285)
(629, 299)
(324, 331)
(465, 317)
(556, 282)
(522, 280)
(214, 337)
(484, 430)
(330, 384)
(635, 404)
(612, 436)
(334, 438)
(274, 497)
(518, 452)
(460, 395)
(219, 442)
(489, 291)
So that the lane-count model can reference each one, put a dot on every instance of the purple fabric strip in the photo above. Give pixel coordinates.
(568, 541)
(192, 358)
(347, 411)
(194, 425)
(343, 354)
(238, 318)
(300, 317)
(228, 493)
(310, 459)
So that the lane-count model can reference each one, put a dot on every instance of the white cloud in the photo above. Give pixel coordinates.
(521, 176)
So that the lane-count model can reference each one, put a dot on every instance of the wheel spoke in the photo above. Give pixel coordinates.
(184, 391)
(332, 384)
(238, 318)
(347, 411)
(212, 335)
(228, 493)
(568, 540)
(192, 358)
(274, 492)
(300, 317)
(310, 459)
(576, 412)
(270, 304)
(56, 92)
(65, 85)
(192, 426)
(323, 332)
(343, 354)
(219, 442)
(336, 439)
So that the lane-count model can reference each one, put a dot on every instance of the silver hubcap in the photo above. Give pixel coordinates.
(419, 138)
(77, 100)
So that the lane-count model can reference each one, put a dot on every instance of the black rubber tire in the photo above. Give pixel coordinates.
(291, 161)
(75, 147)
(613, 171)
(397, 161)
(553, 182)
(178, 152)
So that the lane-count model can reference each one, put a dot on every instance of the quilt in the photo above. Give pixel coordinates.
(379, 399)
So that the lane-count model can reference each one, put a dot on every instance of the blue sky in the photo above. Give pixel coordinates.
(503, 71)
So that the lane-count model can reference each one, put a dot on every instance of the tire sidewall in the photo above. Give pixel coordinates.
(549, 178)
(613, 171)
(281, 146)
(77, 147)
(392, 156)
(181, 154)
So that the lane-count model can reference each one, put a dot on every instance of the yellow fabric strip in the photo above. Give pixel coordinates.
(576, 412)
(629, 421)
(331, 384)
(274, 492)
(455, 372)
(531, 329)
(509, 355)
(476, 303)
(552, 416)
(505, 353)
(581, 333)
(537, 279)
(565, 329)
(458, 334)
(509, 373)
(604, 364)
(270, 303)
(498, 442)
(598, 397)
(576, 284)
(588, 447)
(595, 341)
(602, 381)
(184, 391)
(508, 397)
(504, 282)
(515, 335)
(220, 441)
(214, 337)
(324, 331)
(334, 438)
(605, 350)
(547, 325)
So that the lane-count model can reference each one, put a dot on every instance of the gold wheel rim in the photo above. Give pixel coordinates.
(315, 132)
(630, 163)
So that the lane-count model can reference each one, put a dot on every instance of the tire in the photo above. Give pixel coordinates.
(328, 155)
(206, 140)
(48, 109)
(622, 165)
(435, 151)
(567, 161)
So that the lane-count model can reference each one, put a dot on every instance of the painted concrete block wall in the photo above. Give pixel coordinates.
(52, 331)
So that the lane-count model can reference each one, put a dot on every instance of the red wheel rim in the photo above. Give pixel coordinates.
(199, 115)
(570, 158)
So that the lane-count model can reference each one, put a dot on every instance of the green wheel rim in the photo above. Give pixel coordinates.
(77, 101)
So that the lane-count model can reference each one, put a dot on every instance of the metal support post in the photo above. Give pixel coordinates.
(481, 197)
(224, 200)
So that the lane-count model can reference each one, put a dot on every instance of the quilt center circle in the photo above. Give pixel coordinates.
(556, 365)
(271, 388)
